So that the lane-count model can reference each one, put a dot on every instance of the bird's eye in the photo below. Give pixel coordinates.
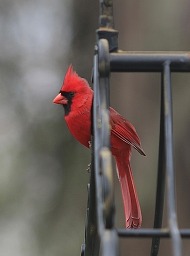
(68, 95)
(71, 94)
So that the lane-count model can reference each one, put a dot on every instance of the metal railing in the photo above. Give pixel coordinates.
(101, 236)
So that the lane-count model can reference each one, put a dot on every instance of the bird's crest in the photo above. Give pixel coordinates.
(72, 80)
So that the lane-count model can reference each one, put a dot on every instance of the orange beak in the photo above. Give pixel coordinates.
(60, 99)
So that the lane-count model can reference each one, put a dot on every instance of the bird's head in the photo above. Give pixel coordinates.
(74, 91)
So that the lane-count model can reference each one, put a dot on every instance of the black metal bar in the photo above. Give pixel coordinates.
(149, 233)
(106, 24)
(106, 14)
(149, 61)
(91, 244)
(102, 156)
(104, 126)
(107, 187)
(110, 243)
(160, 177)
(171, 203)
(97, 146)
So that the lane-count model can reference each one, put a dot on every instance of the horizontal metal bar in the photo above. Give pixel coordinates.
(149, 233)
(123, 61)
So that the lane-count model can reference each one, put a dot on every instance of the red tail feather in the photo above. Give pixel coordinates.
(133, 216)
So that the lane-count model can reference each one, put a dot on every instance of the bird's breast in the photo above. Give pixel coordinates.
(80, 126)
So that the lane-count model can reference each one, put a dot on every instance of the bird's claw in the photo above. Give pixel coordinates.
(89, 144)
(88, 168)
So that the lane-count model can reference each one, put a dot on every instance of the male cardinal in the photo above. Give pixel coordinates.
(76, 96)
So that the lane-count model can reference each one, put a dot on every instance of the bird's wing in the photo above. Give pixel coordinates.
(124, 130)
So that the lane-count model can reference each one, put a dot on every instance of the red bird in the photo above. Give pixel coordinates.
(76, 96)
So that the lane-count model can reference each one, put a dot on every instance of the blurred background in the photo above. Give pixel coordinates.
(43, 177)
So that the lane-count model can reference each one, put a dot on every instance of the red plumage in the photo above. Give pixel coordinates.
(76, 97)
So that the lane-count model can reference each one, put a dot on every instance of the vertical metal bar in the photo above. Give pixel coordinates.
(94, 225)
(110, 243)
(104, 73)
(92, 243)
(160, 177)
(97, 144)
(108, 188)
(171, 202)
(102, 162)
(106, 24)
(106, 13)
